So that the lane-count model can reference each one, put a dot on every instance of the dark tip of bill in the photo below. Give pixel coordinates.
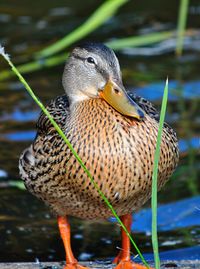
(140, 113)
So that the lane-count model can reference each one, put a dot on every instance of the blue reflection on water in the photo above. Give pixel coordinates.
(180, 214)
(22, 116)
(186, 144)
(20, 136)
(190, 253)
(154, 91)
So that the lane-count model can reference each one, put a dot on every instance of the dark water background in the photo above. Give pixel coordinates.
(27, 230)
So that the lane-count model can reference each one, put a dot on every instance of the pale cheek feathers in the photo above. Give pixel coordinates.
(78, 97)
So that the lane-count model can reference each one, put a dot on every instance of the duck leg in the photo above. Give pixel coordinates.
(64, 228)
(123, 259)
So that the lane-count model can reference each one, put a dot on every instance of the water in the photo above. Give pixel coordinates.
(27, 229)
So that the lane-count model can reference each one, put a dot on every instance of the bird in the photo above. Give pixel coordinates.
(114, 132)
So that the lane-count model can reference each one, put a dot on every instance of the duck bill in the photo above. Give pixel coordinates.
(117, 97)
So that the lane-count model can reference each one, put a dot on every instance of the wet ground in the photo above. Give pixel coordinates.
(185, 264)
(27, 230)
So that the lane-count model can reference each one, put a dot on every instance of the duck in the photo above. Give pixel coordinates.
(114, 132)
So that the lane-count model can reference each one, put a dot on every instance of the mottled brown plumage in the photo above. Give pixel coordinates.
(117, 149)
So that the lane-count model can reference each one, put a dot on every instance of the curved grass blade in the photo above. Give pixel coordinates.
(154, 179)
(103, 13)
(182, 18)
(60, 132)
(35, 66)
(135, 41)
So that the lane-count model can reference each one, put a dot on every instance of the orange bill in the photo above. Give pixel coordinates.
(118, 98)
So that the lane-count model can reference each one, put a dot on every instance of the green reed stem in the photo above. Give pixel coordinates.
(101, 14)
(35, 66)
(182, 18)
(154, 179)
(142, 40)
(60, 132)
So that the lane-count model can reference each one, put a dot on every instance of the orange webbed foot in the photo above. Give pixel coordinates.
(130, 265)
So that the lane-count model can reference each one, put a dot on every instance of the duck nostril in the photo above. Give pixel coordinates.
(116, 91)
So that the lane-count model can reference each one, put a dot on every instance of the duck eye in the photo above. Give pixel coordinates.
(91, 60)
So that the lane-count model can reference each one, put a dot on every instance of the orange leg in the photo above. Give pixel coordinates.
(123, 259)
(64, 227)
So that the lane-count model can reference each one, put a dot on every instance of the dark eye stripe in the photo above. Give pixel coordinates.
(99, 70)
(78, 57)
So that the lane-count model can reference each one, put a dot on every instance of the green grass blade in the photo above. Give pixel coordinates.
(56, 126)
(103, 13)
(135, 41)
(154, 179)
(12, 183)
(17, 184)
(182, 18)
(35, 66)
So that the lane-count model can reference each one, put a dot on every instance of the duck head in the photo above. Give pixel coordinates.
(92, 71)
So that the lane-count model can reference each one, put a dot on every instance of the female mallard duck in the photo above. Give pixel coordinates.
(115, 135)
